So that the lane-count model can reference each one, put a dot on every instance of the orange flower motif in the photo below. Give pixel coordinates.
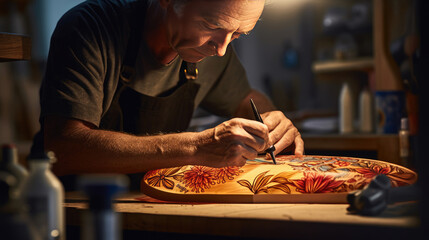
(314, 182)
(226, 173)
(374, 170)
(199, 178)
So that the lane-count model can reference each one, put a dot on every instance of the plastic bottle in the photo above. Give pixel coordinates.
(365, 111)
(44, 195)
(346, 109)
(404, 142)
(101, 221)
(9, 163)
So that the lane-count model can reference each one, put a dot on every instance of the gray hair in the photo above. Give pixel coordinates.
(177, 5)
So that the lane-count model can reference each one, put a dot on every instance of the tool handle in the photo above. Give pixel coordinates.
(255, 111)
(271, 149)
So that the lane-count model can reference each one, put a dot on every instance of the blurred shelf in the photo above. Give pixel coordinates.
(360, 64)
(14, 47)
(386, 145)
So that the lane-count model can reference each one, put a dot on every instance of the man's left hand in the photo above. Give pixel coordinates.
(282, 133)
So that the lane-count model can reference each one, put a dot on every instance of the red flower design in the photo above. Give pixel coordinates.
(374, 170)
(199, 178)
(314, 182)
(226, 173)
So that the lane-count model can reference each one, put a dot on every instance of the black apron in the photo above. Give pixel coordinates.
(139, 114)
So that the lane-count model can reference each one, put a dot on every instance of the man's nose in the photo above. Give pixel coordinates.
(222, 42)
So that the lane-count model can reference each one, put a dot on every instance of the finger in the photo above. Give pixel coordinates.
(249, 153)
(251, 133)
(268, 156)
(247, 139)
(272, 120)
(284, 142)
(237, 152)
(280, 132)
(251, 126)
(255, 134)
(299, 145)
(256, 128)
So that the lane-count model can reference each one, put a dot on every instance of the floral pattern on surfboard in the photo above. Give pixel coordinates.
(293, 175)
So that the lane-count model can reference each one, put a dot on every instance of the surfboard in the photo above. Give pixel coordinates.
(294, 179)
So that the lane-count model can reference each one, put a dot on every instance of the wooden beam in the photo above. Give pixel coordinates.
(14, 47)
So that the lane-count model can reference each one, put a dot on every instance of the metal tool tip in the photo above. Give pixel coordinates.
(274, 158)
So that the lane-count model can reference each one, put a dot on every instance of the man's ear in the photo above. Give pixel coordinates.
(164, 3)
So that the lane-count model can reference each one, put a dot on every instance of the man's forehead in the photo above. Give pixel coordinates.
(232, 19)
(213, 6)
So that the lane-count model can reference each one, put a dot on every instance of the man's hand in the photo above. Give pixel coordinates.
(232, 142)
(282, 133)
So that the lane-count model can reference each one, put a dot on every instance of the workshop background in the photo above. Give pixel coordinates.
(300, 54)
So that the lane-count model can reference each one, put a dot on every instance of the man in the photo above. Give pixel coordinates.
(120, 88)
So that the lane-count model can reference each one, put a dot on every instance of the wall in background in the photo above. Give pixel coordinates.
(262, 53)
(279, 53)
(46, 14)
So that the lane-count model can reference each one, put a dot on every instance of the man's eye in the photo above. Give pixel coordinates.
(209, 27)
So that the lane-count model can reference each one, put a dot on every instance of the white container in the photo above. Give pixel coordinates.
(44, 195)
(346, 109)
(365, 111)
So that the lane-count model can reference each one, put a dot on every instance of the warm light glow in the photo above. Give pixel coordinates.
(286, 7)
(288, 3)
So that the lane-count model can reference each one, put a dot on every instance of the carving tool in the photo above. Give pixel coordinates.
(271, 149)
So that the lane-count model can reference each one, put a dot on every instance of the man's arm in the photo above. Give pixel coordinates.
(82, 148)
(283, 133)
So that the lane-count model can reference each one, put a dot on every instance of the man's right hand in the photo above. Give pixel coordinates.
(231, 143)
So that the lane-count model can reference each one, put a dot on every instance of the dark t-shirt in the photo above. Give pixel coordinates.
(86, 55)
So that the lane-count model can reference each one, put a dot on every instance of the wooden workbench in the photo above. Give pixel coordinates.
(256, 221)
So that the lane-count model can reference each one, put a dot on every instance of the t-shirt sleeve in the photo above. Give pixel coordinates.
(230, 89)
(78, 62)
